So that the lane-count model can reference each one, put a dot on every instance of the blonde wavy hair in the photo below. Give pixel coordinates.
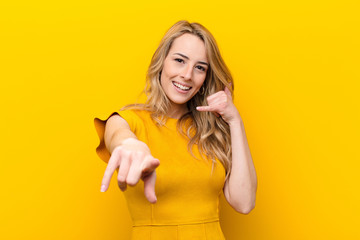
(210, 133)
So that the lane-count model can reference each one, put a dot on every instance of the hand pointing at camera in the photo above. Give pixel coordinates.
(133, 160)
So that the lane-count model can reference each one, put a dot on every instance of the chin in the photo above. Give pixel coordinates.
(178, 102)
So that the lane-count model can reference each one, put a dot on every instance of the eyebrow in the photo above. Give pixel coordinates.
(205, 63)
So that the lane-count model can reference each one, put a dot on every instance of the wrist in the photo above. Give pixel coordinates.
(235, 121)
(135, 144)
(119, 143)
(128, 140)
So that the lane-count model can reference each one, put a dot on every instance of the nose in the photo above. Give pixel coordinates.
(187, 71)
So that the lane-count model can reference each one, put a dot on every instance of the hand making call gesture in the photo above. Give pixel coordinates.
(135, 162)
(221, 104)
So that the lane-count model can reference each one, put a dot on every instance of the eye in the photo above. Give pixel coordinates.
(179, 60)
(201, 68)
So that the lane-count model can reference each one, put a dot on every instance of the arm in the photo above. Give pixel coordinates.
(240, 187)
(130, 156)
(116, 131)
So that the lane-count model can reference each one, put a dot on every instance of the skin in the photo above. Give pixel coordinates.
(240, 188)
(185, 64)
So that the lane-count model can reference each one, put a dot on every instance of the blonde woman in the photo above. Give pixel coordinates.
(186, 143)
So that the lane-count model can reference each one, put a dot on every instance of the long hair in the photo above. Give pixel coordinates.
(210, 133)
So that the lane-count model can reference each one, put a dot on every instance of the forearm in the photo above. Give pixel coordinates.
(242, 182)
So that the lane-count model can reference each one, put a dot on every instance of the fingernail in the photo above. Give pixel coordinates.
(102, 189)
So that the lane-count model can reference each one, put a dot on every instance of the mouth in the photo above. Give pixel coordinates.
(181, 87)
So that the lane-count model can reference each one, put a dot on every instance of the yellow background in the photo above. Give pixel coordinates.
(296, 71)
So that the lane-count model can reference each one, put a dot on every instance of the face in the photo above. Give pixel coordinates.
(184, 70)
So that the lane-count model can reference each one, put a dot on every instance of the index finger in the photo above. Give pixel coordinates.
(111, 167)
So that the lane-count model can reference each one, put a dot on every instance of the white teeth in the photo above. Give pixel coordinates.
(181, 86)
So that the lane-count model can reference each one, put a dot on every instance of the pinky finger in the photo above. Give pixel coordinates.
(207, 109)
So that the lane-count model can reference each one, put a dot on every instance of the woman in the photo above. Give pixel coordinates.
(187, 143)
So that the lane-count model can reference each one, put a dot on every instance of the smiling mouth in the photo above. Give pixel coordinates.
(181, 87)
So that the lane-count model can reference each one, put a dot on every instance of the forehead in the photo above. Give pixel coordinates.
(189, 45)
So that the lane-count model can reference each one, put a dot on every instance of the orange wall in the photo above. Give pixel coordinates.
(296, 71)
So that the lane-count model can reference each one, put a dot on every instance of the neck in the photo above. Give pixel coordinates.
(177, 111)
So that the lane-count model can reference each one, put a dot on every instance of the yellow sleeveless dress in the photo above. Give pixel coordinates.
(187, 188)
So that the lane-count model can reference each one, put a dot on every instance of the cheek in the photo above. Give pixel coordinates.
(200, 81)
(171, 71)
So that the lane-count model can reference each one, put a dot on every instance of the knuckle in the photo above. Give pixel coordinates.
(121, 179)
(148, 157)
(143, 164)
(125, 153)
(130, 158)
(108, 171)
(117, 150)
(134, 156)
(131, 182)
(141, 156)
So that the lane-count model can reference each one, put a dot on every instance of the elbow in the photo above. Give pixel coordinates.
(242, 203)
(244, 208)
(247, 210)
